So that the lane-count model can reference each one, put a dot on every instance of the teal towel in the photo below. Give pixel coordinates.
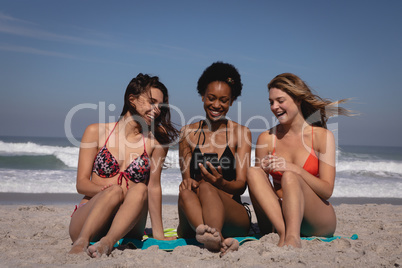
(329, 239)
(169, 245)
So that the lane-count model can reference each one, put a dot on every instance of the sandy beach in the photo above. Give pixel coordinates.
(34, 233)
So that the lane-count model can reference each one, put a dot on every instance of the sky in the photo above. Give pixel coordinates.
(66, 64)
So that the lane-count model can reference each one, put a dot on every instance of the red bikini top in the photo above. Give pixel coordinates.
(311, 165)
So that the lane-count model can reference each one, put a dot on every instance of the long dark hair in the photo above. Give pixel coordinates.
(163, 131)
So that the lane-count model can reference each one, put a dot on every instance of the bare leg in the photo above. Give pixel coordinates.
(225, 215)
(293, 208)
(304, 211)
(93, 218)
(190, 213)
(265, 200)
(211, 212)
(127, 217)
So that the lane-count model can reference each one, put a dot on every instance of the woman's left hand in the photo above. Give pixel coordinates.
(215, 177)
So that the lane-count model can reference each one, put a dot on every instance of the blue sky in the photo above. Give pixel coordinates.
(55, 55)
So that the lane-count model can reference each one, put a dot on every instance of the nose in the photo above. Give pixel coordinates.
(274, 105)
(216, 104)
(155, 109)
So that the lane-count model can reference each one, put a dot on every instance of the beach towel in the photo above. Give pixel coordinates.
(169, 245)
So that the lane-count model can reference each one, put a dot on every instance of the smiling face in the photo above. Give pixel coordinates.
(217, 100)
(283, 106)
(148, 104)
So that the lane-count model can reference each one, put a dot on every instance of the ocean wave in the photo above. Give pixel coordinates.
(37, 181)
(37, 162)
(67, 155)
(381, 168)
(367, 187)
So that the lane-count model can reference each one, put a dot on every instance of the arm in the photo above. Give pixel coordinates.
(262, 149)
(324, 185)
(184, 161)
(155, 191)
(243, 156)
(88, 151)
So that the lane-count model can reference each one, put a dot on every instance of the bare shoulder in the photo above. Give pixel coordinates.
(265, 137)
(323, 137)
(97, 132)
(186, 130)
(322, 133)
(237, 128)
(190, 127)
(92, 132)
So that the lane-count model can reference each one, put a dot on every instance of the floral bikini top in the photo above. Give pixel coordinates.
(106, 166)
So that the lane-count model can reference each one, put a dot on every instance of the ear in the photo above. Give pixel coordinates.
(202, 98)
(231, 102)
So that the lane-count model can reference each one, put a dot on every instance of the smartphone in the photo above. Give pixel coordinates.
(213, 159)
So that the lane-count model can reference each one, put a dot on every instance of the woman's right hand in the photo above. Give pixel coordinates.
(106, 186)
(265, 163)
(189, 184)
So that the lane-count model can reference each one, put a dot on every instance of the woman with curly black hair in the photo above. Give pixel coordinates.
(214, 158)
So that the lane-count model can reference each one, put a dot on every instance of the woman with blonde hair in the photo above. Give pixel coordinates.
(299, 154)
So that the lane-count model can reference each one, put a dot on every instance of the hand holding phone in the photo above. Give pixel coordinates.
(213, 159)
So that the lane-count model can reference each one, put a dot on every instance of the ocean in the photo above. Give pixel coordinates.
(49, 165)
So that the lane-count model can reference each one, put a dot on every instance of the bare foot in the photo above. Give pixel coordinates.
(229, 244)
(79, 246)
(208, 236)
(281, 242)
(293, 242)
(100, 248)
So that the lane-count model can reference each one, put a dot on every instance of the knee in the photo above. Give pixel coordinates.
(206, 189)
(114, 193)
(184, 196)
(290, 179)
(254, 174)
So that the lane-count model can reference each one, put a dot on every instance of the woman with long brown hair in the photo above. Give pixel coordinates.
(119, 170)
(299, 155)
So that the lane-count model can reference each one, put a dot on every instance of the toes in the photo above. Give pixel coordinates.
(97, 250)
(229, 244)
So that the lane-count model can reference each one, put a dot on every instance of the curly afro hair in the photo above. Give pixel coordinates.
(220, 71)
